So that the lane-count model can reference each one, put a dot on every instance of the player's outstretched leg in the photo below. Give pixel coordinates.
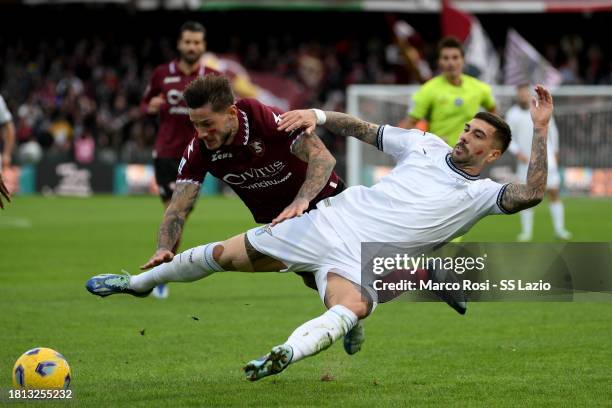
(346, 306)
(190, 265)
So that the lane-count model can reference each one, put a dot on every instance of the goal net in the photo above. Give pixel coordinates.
(583, 115)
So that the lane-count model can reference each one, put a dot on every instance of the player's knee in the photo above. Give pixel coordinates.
(218, 252)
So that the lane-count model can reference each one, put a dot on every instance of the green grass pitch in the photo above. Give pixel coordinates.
(188, 350)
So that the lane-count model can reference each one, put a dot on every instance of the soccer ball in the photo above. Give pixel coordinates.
(41, 368)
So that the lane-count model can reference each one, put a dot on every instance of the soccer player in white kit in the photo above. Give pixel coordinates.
(519, 120)
(432, 195)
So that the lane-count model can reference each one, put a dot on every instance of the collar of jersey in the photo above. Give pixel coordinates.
(457, 170)
(243, 133)
(174, 69)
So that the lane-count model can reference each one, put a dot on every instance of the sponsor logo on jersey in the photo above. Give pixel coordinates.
(179, 110)
(221, 155)
(253, 174)
(257, 147)
(172, 80)
(458, 101)
(174, 96)
(267, 183)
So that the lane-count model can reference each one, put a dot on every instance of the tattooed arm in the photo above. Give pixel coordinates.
(518, 197)
(183, 200)
(309, 148)
(338, 123)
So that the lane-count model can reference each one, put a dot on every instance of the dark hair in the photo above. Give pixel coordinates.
(502, 130)
(210, 89)
(192, 26)
(450, 42)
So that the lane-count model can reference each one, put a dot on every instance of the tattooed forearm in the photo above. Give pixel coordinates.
(521, 196)
(345, 125)
(538, 164)
(182, 203)
(320, 165)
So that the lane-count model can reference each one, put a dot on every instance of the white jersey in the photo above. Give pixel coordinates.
(425, 198)
(521, 126)
(5, 114)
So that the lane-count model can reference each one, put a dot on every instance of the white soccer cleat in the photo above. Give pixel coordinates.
(160, 291)
(523, 237)
(110, 284)
(354, 339)
(272, 363)
(563, 235)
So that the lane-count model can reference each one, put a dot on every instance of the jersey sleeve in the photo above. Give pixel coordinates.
(5, 114)
(153, 88)
(397, 142)
(488, 196)
(488, 100)
(421, 104)
(193, 165)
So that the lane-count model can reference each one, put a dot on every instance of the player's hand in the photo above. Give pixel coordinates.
(295, 209)
(156, 103)
(4, 193)
(296, 119)
(159, 257)
(541, 107)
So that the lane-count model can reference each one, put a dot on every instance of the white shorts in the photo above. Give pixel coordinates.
(307, 244)
(553, 180)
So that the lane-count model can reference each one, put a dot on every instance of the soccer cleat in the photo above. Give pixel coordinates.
(563, 235)
(111, 284)
(523, 237)
(457, 299)
(354, 339)
(272, 363)
(160, 291)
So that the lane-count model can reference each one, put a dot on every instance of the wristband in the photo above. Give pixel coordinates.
(321, 118)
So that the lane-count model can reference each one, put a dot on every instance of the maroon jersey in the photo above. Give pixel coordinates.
(175, 128)
(258, 165)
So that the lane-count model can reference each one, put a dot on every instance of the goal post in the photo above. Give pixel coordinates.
(583, 115)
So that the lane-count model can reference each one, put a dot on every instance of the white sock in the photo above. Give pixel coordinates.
(320, 333)
(527, 221)
(188, 266)
(557, 215)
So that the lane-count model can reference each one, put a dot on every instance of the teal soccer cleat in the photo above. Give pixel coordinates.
(111, 284)
(272, 363)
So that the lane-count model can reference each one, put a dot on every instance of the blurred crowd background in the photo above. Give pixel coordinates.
(74, 75)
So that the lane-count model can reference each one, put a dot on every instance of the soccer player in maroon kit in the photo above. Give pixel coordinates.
(164, 97)
(278, 176)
